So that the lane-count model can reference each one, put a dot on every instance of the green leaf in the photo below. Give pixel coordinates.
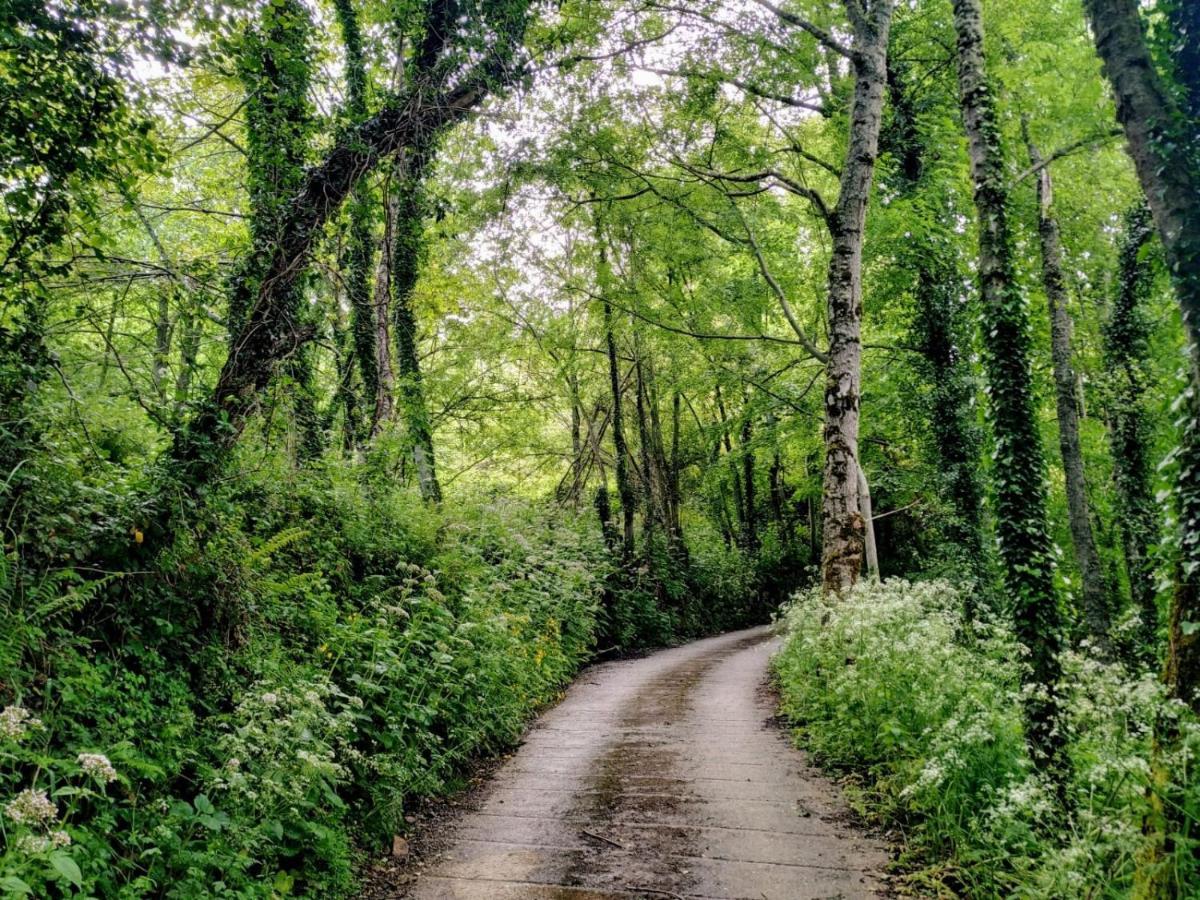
(11, 884)
(67, 868)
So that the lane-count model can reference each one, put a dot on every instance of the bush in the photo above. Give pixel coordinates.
(304, 663)
(887, 683)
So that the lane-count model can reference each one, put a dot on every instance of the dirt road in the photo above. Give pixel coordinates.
(659, 777)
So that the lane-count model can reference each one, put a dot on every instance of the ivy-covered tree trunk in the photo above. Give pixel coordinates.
(1019, 468)
(1162, 140)
(385, 396)
(359, 244)
(750, 526)
(1126, 351)
(310, 435)
(276, 73)
(275, 69)
(843, 528)
(938, 332)
(1079, 513)
(407, 245)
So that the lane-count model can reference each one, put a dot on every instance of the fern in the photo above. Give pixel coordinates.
(260, 557)
(59, 603)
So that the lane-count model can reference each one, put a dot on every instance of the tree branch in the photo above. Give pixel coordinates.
(819, 33)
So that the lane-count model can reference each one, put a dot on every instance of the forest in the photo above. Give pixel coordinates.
(368, 368)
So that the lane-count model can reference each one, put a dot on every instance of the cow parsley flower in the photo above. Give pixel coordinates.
(31, 807)
(40, 843)
(98, 766)
(16, 722)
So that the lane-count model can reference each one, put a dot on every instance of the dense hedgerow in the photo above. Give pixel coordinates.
(360, 647)
(257, 709)
(888, 684)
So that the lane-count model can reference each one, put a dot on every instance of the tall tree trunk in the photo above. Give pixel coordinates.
(577, 445)
(778, 512)
(750, 532)
(357, 261)
(625, 491)
(1126, 349)
(871, 548)
(620, 449)
(1161, 140)
(189, 350)
(739, 499)
(406, 262)
(720, 500)
(843, 526)
(651, 518)
(673, 481)
(1020, 489)
(1079, 513)
(385, 398)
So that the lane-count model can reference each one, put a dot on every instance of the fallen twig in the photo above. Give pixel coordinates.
(601, 837)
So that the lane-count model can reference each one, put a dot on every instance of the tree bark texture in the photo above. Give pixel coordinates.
(843, 526)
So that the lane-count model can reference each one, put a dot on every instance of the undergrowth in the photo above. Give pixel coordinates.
(254, 711)
(923, 714)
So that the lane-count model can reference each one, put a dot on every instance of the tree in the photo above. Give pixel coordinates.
(1095, 599)
(463, 68)
(359, 244)
(1019, 479)
(1126, 350)
(1163, 141)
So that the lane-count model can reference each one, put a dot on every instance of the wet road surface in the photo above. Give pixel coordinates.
(659, 777)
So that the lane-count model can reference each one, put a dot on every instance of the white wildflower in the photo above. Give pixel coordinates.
(15, 722)
(270, 698)
(98, 766)
(33, 843)
(31, 807)
(59, 838)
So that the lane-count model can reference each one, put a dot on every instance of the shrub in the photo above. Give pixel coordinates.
(888, 683)
(349, 650)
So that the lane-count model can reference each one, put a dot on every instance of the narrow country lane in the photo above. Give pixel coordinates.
(659, 777)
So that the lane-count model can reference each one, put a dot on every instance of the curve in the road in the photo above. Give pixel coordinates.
(659, 777)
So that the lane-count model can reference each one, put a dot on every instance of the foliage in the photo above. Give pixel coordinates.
(924, 709)
(379, 645)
